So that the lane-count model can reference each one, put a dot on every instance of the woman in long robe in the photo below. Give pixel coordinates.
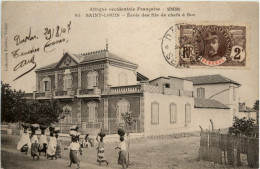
(74, 149)
(101, 151)
(51, 150)
(24, 145)
(58, 148)
(35, 145)
(43, 143)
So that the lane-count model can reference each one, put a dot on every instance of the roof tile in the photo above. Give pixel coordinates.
(209, 103)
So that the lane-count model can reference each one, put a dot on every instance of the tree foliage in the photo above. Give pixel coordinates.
(242, 126)
(17, 109)
(43, 113)
(12, 104)
(256, 105)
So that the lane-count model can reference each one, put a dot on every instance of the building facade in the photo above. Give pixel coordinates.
(96, 88)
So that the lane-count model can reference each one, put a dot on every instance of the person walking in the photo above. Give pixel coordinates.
(74, 149)
(51, 150)
(101, 149)
(24, 145)
(58, 147)
(122, 152)
(35, 142)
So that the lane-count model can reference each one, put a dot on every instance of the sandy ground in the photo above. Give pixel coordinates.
(170, 153)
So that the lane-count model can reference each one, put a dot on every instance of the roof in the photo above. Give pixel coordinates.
(210, 79)
(141, 77)
(246, 109)
(161, 77)
(50, 66)
(209, 103)
(90, 57)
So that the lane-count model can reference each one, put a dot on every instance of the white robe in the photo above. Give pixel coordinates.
(24, 140)
(43, 139)
(52, 146)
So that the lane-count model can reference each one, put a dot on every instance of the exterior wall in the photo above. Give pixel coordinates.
(112, 110)
(224, 94)
(212, 89)
(100, 78)
(74, 80)
(175, 83)
(74, 105)
(220, 118)
(161, 82)
(114, 72)
(40, 77)
(164, 126)
(187, 85)
(100, 110)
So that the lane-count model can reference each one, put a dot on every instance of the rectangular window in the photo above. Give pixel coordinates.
(201, 93)
(173, 113)
(187, 113)
(155, 113)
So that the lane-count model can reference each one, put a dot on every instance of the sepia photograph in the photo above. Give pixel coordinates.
(121, 84)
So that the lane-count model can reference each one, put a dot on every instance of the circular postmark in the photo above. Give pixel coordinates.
(184, 45)
(168, 46)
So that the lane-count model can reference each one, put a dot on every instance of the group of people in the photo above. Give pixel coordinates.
(53, 147)
(30, 141)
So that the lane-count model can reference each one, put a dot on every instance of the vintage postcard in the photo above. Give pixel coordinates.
(129, 85)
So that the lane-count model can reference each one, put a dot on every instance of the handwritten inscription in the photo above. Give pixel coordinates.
(18, 40)
(18, 53)
(54, 37)
(56, 32)
(50, 44)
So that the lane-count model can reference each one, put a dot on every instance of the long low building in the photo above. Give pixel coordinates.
(96, 88)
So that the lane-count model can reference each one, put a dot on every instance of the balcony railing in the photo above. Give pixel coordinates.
(95, 91)
(125, 89)
(65, 93)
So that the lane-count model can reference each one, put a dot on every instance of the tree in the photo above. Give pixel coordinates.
(12, 104)
(17, 109)
(43, 113)
(256, 105)
(129, 121)
(242, 126)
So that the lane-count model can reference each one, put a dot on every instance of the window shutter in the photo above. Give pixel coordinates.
(49, 86)
(42, 86)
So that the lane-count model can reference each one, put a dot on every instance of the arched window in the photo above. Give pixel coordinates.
(92, 115)
(173, 113)
(92, 79)
(201, 92)
(45, 84)
(67, 80)
(187, 113)
(122, 107)
(122, 79)
(155, 113)
(67, 113)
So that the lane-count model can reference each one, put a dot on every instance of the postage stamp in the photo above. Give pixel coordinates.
(200, 45)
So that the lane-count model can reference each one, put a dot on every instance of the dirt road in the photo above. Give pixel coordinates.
(170, 153)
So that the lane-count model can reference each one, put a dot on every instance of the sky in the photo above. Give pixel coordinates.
(135, 39)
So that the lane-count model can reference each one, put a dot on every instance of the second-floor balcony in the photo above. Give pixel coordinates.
(43, 95)
(95, 92)
(64, 94)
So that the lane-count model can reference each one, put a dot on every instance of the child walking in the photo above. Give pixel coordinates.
(122, 152)
(101, 151)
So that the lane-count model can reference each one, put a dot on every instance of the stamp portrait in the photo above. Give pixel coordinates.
(200, 45)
